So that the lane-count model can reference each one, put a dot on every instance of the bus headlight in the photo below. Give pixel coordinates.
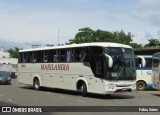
(134, 84)
(111, 86)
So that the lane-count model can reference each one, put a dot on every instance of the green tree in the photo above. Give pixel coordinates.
(84, 35)
(88, 35)
(152, 42)
(121, 37)
(135, 45)
(103, 36)
(14, 52)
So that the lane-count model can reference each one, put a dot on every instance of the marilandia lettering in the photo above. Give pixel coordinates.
(54, 66)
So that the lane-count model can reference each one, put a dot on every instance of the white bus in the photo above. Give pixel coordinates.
(156, 71)
(144, 72)
(103, 68)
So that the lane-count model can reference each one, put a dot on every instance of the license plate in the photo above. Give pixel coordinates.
(124, 90)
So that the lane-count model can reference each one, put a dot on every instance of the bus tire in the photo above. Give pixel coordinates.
(36, 84)
(141, 85)
(84, 90)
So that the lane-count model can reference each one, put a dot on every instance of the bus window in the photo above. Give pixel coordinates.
(97, 51)
(27, 57)
(39, 56)
(155, 62)
(138, 62)
(45, 56)
(30, 57)
(62, 56)
(20, 58)
(34, 59)
(77, 55)
(51, 55)
(84, 52)
(68, 57)
(148, 62)
(55, 56)
(80, 54)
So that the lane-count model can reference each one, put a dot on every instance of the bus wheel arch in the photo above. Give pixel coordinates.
(141, 85)
(36, 83)
(82, 87)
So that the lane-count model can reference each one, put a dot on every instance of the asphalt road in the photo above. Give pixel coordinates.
(23, 95)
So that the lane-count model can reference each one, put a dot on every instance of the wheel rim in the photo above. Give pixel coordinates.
(140, 86)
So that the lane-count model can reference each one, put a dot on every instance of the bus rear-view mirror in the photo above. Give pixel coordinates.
(142, 62)
(110, 60)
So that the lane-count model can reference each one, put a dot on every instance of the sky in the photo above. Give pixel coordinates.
(47, 20)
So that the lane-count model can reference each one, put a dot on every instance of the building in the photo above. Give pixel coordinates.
(7, 63)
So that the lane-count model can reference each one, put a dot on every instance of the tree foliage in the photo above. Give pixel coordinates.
(14, 52)
(86, 35)
(152, 42)
(135, 45)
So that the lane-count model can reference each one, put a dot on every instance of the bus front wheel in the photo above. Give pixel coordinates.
(84, 90)
(36, 84)
(141, 85)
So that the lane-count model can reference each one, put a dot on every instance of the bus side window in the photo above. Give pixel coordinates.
(25, 56)
(97, 51)
(62, 55)
(77, 55)
(155, 62)
(39, 56)
(138, 62)
(68, 55)
(51, 56)
(20, 57)
(84, 52)
(149, 62)
(30, 57)
(34, 59)
(45, 56)
(55, 56)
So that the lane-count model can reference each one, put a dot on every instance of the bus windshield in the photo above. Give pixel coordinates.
(123, 64)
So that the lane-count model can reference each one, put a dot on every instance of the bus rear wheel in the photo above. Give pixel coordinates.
(36, 84)
(141, 85)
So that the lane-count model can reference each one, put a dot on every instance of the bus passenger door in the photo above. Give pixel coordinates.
(97, 67)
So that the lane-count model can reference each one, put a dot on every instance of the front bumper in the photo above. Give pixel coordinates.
(5, 81)
(120, 89)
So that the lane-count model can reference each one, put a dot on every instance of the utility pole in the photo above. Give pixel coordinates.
(58, 36)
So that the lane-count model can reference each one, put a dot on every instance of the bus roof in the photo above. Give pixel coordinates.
(156, 54)
(101, 44)
(146, 56)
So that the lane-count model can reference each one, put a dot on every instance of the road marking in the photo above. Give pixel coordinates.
(81, 101)
(9, 99)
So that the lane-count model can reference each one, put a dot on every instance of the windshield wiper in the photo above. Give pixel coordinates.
(120, 73)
